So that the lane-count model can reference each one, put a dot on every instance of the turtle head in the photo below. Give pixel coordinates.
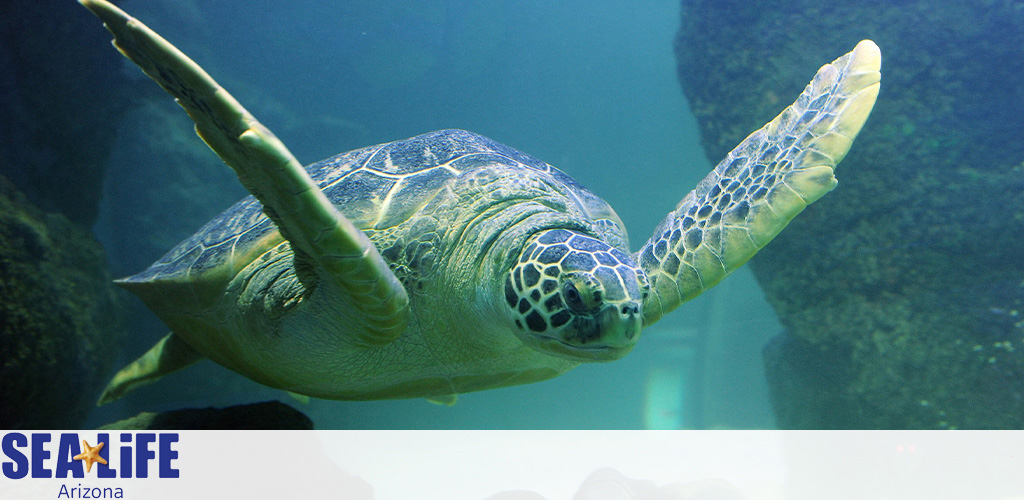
(576, 297)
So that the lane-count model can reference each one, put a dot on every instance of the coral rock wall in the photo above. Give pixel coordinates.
(903, 291)
(58, 317)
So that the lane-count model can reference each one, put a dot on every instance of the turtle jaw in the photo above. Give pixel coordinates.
(607, 336)
(584, 354)
(597, 353)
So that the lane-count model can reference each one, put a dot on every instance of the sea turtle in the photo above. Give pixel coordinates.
(449, 263)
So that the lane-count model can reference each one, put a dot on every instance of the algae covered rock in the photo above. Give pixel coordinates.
(58, 317)
(903, 291)
(60, 96)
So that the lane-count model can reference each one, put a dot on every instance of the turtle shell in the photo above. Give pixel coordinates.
(375, 187)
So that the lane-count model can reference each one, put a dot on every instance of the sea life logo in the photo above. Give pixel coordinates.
(139, 455)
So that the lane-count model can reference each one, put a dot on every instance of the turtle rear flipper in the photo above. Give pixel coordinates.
(290, 198)
(761, 185)
(169, 355)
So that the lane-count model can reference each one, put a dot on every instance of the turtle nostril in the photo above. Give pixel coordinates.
(630, 310)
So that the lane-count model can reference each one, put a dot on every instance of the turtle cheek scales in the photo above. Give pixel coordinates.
(560, 318)
(510, 294)
(554, 304)
(548, 286)
(536, 322)
(531, 276)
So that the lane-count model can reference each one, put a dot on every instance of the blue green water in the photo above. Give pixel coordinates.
(589, 87)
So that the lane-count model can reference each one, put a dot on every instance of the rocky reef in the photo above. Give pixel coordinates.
(58, 317)
(902, 291)
(61, 96)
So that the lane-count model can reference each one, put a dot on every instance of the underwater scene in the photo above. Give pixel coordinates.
(896, 301)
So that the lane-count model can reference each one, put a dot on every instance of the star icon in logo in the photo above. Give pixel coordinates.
(90, 454)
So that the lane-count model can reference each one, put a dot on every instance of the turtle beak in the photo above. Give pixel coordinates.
(623, 323)
(607, 336)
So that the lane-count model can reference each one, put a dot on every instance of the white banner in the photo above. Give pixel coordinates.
(513, 465)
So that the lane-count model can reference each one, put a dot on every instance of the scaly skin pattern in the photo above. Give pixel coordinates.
(761, 185)
(569, 290)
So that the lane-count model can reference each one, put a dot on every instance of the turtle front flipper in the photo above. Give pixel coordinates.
(290, 198)
(761, 185)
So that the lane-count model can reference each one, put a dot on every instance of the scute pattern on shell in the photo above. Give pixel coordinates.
(375, 187)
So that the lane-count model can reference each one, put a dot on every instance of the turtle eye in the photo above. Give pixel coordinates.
(579, 300)
(572, 297)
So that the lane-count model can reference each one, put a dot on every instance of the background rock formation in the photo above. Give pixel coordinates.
(902, 291)
(58, 317)
(61, 96)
